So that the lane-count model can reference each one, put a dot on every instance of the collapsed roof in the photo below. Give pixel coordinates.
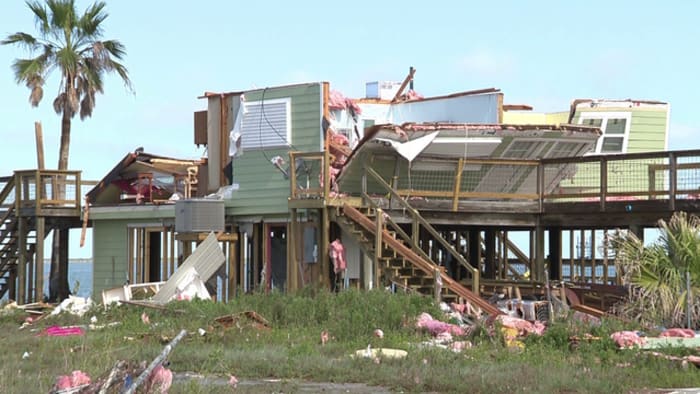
(142, 176)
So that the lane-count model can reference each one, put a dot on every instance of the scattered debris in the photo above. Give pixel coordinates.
(56, 331)
(375, 354)
(324, 337)
(436, 327)
(72, 383)
(233, 381)
(73, 305)
(130, 292)
(158, 375)
(251, 317)
(379, 333)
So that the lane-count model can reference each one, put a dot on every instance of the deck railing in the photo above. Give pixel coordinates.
(662, 176)
(47, 192)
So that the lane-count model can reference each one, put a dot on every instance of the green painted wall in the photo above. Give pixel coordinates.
(109, 255)
(647, 129)
(262, 188)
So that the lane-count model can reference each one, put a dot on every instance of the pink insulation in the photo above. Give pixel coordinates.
(75, 379)
(678, 333)
(337, 254)
(625, 339)
(436, 327)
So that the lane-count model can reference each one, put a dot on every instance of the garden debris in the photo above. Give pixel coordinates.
(73, 305)
(252, 318)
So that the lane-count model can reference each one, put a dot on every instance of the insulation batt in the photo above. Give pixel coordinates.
(337, 254)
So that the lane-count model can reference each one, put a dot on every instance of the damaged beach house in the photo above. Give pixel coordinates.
(458, 196)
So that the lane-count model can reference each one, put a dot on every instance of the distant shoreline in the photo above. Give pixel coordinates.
(87, 260)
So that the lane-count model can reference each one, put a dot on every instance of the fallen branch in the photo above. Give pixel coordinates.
(156, 361)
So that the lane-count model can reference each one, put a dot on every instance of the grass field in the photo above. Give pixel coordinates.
(292, 351)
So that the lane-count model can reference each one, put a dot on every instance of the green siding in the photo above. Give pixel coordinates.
(109, 255)
(262, 188)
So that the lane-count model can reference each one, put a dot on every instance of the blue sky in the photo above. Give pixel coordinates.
(540, 53)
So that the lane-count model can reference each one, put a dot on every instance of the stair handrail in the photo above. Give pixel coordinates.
(418, 218)
(395, 227)
(9, 186)
(424, 265)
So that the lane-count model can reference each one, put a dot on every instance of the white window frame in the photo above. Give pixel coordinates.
(604, 117)
(256, 123)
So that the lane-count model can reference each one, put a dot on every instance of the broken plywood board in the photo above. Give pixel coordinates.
(205, 261)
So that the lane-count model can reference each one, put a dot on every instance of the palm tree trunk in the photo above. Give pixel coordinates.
(58, 281)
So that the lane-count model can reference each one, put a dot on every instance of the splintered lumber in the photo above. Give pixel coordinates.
(156, 361)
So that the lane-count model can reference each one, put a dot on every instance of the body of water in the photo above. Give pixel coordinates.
(79, 277)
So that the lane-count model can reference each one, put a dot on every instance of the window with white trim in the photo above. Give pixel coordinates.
(267, 124)
(615, 127)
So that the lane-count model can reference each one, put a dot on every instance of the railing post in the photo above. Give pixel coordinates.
(673, 179)
(540, 187)
(78, 191)
(292, 176)
(379, 226)
(603, 182)
(437, 285)
(458, 184)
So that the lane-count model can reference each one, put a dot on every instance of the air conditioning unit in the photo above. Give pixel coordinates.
(383, 90)
(199, 215)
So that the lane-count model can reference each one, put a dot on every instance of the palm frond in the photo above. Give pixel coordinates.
(40, 16)
(90, 22)
(25, 40)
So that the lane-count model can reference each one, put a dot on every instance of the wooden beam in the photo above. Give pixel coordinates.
(409, 78)
(458, 184)
(39, 145)
(39, 253)
(325, 241)
(22, 260)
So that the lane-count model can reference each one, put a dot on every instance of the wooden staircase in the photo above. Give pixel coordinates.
(401, 263)
(10, 234)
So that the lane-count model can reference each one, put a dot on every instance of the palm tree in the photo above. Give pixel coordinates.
(657, 273)
(72, 45)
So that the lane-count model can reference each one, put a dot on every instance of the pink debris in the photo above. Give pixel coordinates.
(524, 327)
(324, 337)
(145, 319)
(337, 254)
(436, 327)
(625, 339)
(233, 381)
(379, 333)
(413, 95)
(678, 332)
(160, 380)
(77, 378)
(336, 100)
(56, 331)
